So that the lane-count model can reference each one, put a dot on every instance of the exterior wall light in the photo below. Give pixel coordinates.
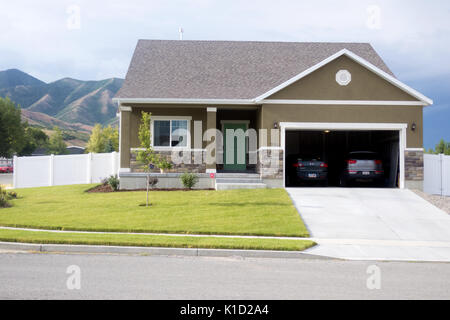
(413, 126)
(275, 125)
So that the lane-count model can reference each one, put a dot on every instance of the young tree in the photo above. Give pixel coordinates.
(34, 138)
(56, 143)
(11, 128)
(112, 139)
(103, 140)
(96, 141)
(442, 147)
(146, 155)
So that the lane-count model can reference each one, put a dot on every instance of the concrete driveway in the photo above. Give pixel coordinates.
(373, 224)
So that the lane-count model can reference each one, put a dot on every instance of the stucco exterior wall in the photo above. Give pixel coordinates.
(356, 114)
(322, 85)
(198, 113)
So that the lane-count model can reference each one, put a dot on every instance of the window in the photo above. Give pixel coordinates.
(171, 132)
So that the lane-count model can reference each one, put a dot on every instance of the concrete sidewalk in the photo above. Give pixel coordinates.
(153, 251)
(385, 224)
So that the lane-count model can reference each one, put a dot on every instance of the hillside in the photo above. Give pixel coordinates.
(68, 103)
(13, 77)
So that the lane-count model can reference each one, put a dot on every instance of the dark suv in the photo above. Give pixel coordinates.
(311, 169)
(362, 166)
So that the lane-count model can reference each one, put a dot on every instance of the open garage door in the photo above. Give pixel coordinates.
(342, 158)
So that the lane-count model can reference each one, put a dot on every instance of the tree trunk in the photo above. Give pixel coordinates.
(148, 182)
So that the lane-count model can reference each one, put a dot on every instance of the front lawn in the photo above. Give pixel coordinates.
(267, 212)
(154, 241)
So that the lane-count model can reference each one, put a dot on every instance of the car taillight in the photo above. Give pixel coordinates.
(351, 161)
(378, 162)
(296, 165)
(323, 165)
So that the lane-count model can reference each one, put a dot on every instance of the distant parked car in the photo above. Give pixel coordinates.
(362, 166)
(6, 169)
(311, 169)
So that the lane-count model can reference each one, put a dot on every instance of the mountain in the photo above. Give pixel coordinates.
(13, 77)
(68, 103)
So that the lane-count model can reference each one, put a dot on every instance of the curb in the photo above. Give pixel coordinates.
(189, 252)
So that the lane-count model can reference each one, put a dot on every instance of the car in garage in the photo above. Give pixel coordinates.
(6, 169)
(310, 169)
(362, 166)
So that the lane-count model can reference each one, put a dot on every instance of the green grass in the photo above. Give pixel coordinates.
(267, 212)
(153, 241)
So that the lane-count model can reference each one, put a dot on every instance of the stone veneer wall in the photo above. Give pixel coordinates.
(177, 168)
(270, 163)
(414, 166)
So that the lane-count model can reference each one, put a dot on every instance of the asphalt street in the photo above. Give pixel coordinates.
(58, 276)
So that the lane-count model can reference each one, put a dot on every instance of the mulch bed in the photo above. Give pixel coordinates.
(103, 188)
(107, 188)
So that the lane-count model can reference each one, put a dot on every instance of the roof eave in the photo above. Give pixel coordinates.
(425, 100)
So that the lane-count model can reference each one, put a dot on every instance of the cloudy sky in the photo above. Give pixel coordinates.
(94, 39)
(46, 38)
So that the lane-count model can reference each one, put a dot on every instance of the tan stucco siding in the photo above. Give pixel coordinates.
(354, 114)
(196, 112)
(322, 85)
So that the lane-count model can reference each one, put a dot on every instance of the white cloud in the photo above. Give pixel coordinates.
(413, 38)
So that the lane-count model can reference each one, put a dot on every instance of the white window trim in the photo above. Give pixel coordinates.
(171, 118)
(344, 103)
(400, 127)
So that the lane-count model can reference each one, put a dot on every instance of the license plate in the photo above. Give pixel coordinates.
(312, 175)
(366, 173)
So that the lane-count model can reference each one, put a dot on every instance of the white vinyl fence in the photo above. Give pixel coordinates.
(437, 174)
(64, 170)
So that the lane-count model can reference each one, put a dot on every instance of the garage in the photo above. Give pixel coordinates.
(334, 148)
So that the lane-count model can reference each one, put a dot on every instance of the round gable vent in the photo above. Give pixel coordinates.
(343, 77)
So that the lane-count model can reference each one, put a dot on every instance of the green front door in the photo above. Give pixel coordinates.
(236, 159)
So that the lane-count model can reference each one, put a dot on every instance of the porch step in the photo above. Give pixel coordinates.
(229, 181)
(237, 175)
(231, 186)
(237, 180)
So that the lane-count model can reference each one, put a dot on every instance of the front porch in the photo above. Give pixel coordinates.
(220, 160)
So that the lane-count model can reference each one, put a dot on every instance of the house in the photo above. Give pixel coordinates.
(287, 98)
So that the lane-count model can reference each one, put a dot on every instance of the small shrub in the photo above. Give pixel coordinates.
(12, 195)
(114, 182)
(4, 199)
(104, 181)
(189, 180)
(163, 164)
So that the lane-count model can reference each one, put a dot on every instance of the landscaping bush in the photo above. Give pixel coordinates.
(189, 180)
(113, 182)
(12, 195)
(4, 199)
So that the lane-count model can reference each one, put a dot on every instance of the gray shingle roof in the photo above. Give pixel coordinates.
(171, 69)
